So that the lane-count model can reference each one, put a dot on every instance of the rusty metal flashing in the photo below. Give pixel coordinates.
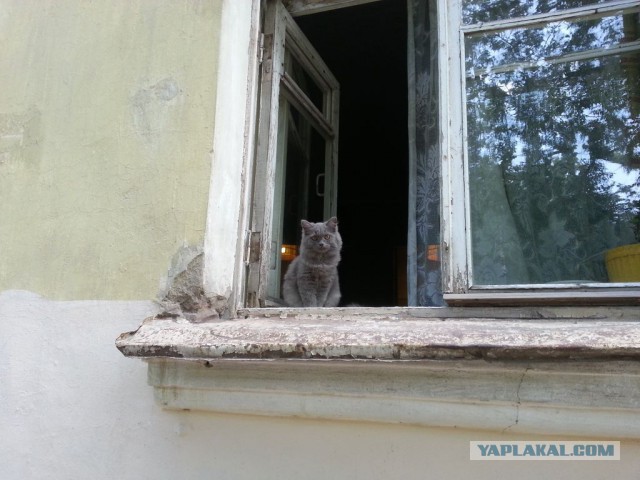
(395, 334)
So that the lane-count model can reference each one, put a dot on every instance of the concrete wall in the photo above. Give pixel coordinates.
(106, 128)
(72, 407)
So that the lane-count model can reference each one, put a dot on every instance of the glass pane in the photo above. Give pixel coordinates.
(521, 47)
(305, 82)
(299, 188)
(303, 194)
(554, 161)
(475, 11)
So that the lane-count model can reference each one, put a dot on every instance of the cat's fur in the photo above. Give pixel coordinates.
(312, 278)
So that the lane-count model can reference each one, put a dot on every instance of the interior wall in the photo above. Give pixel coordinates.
(365, 47)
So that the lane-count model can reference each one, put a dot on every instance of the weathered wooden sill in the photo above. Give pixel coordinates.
(395, 334)
(570, 371)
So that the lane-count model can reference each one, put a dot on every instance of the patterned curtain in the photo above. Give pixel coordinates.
(423, 269)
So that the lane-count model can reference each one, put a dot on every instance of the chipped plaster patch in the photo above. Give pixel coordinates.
(180, 261)
(184, 293)
(19, 135)
(151, 106)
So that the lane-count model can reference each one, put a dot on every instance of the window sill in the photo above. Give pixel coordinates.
(560, 296)
(563, 370)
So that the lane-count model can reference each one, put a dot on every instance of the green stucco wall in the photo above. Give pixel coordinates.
(106, 127)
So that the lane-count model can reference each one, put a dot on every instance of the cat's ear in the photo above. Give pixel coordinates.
(332, 224)
(306, 226)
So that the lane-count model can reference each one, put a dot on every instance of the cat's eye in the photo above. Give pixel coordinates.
(327, 236)
(315, 238)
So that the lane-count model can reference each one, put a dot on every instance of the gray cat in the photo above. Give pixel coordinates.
(312, 278)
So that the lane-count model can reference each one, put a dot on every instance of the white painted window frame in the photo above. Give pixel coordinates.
(228, 213)
(227, 241)
(227, 234)
(455, 265)
(283, 37)
(457, 272)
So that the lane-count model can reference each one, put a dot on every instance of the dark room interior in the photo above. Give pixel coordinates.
(365, 47)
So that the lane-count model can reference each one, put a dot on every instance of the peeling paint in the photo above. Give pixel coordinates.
(460, 284)
(389, 339)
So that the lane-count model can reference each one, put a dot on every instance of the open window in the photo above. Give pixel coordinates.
(300, 138)
(488, 150)
(402, 185)
(297, 149)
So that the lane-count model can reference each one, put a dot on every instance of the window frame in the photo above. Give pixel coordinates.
(308, 365)
(227, 234)
(457, 266)
(228, 239)
(283, 37)
(326, 364)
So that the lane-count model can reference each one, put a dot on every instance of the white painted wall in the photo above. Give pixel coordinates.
(72, 407)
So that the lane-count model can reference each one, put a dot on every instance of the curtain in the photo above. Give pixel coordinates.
(424, 277)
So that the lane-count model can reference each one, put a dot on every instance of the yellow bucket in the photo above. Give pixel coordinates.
(623, 263)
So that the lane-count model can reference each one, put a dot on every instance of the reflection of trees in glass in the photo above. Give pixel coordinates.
(475, 11)
(543, 145)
